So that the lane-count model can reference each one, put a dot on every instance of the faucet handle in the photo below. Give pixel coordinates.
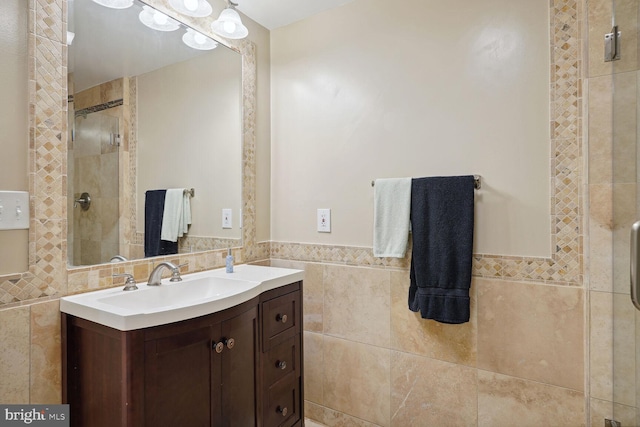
(175, 273)
(129, 283)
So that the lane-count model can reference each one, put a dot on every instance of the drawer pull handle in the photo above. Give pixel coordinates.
(218, 347)
(282, 318)
(282, 410)
(230, 343)
(281, 364)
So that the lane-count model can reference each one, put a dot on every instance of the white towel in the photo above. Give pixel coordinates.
(177, 215)
(186, 213)
(391, 210)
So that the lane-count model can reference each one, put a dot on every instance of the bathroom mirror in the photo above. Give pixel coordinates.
(148, 112)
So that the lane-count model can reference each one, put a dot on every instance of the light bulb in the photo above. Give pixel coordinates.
(160, 18)
(230, 27)
(191, 5)
(199, 38)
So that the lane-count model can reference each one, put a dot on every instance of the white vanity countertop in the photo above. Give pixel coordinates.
(196, 295)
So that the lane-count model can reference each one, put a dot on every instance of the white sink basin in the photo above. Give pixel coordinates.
(154, 298)
(196, 295)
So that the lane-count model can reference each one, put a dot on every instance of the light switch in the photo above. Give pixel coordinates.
(14, 210)
(227, 220)
(324, 220)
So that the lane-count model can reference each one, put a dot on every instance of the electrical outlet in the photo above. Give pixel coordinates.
(227, 220)
(324, 220)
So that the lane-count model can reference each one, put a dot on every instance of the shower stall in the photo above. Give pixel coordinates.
(94, 188)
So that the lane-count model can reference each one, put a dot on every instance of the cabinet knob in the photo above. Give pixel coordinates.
(230, 343)
(281, 364)
(218, 346)
(282, 410)
(281, 318)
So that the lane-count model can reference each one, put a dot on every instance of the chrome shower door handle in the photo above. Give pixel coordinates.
(635, 263)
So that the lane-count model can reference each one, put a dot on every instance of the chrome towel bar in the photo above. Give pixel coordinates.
(477, 182)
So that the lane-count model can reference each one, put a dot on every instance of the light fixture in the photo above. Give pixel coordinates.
(115, 4)
(198, 40)
(197, 8)
(229, 24)
(157, 20)
(70, 37)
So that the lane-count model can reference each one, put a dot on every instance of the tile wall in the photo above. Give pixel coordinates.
(369, 361)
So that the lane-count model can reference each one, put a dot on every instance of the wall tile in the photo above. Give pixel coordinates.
(14, 355)
(531, 331)
(46, 373)
(600, 237)
(600, 119)
(412, 334)
(601, 345)
(333, 418)
(449, 392)
(357, 304)
(624, 350)
(313, 367)
(313, 292)
(601, 410)
(508, 401)
(356, 380)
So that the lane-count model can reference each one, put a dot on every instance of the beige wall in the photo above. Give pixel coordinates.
(13, 122)
(189, 134)
(373, 89)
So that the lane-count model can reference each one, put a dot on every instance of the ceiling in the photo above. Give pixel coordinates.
(278, 13)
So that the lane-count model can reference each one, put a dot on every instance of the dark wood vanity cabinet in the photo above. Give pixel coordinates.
(281, 358)
(202, 375)
(238, 367)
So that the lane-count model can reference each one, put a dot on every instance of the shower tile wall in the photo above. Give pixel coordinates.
(95, 166)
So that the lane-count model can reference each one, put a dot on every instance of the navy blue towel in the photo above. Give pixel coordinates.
(153, 211)
(442, 211)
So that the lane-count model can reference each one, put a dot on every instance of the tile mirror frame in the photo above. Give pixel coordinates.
(48, 275)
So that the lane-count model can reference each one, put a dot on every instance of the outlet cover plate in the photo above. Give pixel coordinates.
(324, 220)
(14, 210)
(227, 219)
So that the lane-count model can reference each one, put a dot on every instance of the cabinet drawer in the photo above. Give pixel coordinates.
(280, 319)
(282, 360)
(283, 403)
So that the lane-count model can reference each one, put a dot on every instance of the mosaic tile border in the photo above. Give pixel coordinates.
(565, 267)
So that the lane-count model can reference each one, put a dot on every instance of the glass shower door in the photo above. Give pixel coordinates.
(626, 211)
(94, 217)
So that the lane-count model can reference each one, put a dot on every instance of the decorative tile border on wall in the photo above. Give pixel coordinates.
(565, 267)
(48, 275)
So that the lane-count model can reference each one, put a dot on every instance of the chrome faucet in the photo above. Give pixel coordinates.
(155, 278)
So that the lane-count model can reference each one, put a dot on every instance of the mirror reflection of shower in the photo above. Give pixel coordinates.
(93, 159)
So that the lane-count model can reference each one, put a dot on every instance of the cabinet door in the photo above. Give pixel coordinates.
(238, 379)
(178, 371)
